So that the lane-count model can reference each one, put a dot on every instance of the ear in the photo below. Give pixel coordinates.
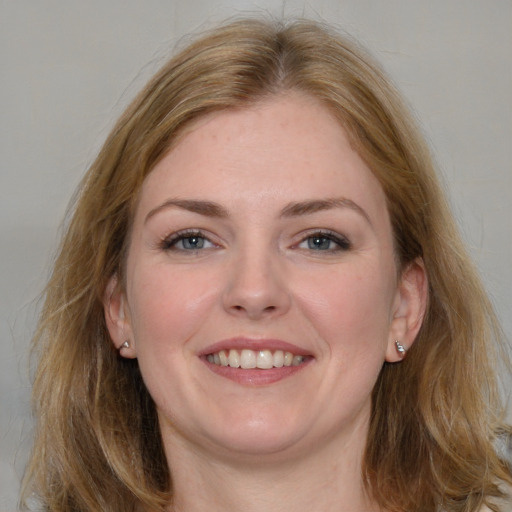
(408, 309)
(118, 319)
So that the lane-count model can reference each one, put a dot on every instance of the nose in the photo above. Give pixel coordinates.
(256, 287)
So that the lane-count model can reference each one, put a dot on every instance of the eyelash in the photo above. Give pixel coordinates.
(170, 243)
(342, 243)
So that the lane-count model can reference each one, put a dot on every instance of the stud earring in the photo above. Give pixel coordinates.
(401, 349)
(126, 344)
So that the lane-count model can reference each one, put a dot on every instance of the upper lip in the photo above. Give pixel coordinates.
(240, 343)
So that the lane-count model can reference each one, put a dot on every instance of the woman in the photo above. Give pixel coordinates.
(262, 303)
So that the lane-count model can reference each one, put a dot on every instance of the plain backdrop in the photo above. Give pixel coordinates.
(69, 67)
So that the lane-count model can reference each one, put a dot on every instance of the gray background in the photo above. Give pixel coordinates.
(69, 67)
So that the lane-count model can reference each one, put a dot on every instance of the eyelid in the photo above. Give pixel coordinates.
(342, 241)
(169, 241)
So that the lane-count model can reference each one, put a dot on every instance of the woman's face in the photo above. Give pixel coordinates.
(262, 239)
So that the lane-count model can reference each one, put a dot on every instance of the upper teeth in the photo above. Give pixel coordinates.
(263, 359)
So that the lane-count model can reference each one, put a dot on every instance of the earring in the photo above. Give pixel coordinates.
(401, 349)
(126, 344)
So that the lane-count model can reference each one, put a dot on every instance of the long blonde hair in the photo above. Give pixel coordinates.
(435, 416)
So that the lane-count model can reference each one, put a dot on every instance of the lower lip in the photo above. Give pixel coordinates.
(255, 377)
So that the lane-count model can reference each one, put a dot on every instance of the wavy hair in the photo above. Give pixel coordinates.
(435, 417)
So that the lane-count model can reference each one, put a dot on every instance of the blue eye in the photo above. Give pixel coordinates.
(187, 241)
(192, 242)
(319, 243)
(325, 242)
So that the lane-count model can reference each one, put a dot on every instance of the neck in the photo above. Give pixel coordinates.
(325, 479)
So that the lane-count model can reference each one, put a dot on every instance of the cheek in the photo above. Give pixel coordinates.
(168, 305)
(350, 306)
(168, 308)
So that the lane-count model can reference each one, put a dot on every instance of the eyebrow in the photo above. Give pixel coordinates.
(295, 209)
(206, 208)
(318, 205)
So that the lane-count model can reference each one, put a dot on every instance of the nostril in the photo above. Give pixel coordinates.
(264, 297)
(268, 309)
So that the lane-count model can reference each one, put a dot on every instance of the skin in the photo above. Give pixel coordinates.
(323, 279)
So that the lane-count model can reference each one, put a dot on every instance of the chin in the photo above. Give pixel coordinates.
(258, 446)
(246, 434)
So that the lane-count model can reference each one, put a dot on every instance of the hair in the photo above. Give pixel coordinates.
(435, 417)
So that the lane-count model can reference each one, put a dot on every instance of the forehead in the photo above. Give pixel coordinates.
(286, 145)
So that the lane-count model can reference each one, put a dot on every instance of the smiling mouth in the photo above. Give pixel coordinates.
(247, 359)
